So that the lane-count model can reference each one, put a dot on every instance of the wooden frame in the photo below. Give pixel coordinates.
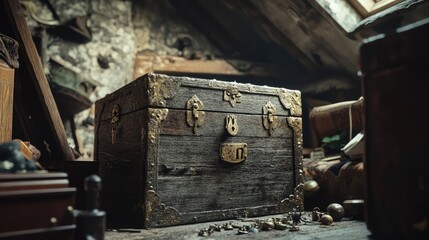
(173, 64)
(370, 7)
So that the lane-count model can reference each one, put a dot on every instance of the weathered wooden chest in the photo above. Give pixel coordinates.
(175, 150)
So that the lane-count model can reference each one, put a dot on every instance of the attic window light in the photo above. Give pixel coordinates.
(370, 7)
(352, 14)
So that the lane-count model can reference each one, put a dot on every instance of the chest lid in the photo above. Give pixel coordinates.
(184, 93)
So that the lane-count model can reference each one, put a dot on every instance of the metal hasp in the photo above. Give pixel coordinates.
(269, 118)
(232, 95)
(195, 114)
(233, 152)
(91, 223)
(115, 120)
(231, 124)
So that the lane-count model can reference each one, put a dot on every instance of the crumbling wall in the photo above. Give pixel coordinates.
(119, 29)
(107, 59)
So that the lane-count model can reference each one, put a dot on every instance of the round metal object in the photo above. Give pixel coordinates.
(326, 219)
(311, 187)
(354, 208)
(280, 226)
(242, 230)
(336, 211)
(294, 228)
(203, 233)
(253, 230)
(268, 225)
(228, 227)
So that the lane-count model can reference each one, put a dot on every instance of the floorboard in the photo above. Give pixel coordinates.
(344, 229)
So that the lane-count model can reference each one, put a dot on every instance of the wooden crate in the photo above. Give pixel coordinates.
(176, 150)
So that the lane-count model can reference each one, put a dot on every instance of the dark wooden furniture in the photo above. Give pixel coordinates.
(336, 118)
(395, 86)
(176, 150)
(8, 63)
(36, 206)
(36, 117)
(77, 171)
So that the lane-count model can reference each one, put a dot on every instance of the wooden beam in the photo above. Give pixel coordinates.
(242, 30)
(31, 67)
(172, 64)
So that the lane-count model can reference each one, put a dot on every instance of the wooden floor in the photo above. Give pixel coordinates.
(345, 229)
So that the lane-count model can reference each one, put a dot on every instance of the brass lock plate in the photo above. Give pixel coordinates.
(231, 124)
(233, 152)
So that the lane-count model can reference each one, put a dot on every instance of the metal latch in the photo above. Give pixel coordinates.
(115, 120)
(195, 114)
(269, 118)
(233, 152)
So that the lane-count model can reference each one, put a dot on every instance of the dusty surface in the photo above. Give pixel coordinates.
(345, 229)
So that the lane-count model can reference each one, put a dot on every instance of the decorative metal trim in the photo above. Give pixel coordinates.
(156, 116)
(195, 114)
(160, 88)
(157, 214)
(232, 95)
(269, 117)
(296, 200)
(116, 111)
(291, 99)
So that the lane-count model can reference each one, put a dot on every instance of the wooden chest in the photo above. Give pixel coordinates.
(175, 150)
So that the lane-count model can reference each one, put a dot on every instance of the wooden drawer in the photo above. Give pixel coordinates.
(36, 205)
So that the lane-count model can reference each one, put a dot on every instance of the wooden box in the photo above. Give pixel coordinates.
(36, 206)
(395, 82)
(175, 150)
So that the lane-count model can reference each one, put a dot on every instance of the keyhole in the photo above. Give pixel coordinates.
(233, 124)
(239, 153)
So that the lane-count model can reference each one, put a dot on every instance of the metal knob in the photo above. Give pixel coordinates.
(91, 223)
(92, 187)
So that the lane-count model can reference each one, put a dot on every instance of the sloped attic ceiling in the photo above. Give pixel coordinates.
(292, 33)
(298, 34)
